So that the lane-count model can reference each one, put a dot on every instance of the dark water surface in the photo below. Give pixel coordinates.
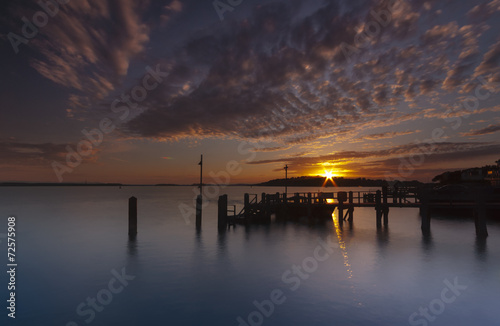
(72, 246)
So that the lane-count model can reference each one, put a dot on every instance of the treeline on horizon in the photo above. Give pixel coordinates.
(318, 181)
(453, 177)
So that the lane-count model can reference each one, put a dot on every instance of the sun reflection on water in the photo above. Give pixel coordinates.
(342, 245)
(345, 256)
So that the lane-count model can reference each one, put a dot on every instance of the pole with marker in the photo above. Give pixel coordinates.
(199, 199)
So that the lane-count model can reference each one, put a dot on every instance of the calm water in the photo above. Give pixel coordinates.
(69, 241)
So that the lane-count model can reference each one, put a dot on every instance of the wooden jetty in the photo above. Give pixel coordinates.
(321, 205)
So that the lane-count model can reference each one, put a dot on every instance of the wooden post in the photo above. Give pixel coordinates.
(199, 202)
(222, 213)
(286, 179)
(340, 197)
(378, 208)
(480, 217)
(309, 205)
(351, 206)
(386, 206)
(246, 205)
(278, 198)
(296, 200)
(132, 216)
(425, 212)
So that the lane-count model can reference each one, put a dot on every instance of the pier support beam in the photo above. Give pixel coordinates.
(342, 198)
(222, 213)
(351, 206)
(246, 205)
(309, 205)
(132, 216)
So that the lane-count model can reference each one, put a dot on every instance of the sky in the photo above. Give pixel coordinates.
(134, 91)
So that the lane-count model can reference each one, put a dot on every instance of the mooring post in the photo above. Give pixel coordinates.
(199, 202)
(222, 213)
(278, 198)
(480, 217)
(378, 208)
(132, 216)
(425, 212)
(351, 206)
(265, 204)
(296, 199)
(386, 206)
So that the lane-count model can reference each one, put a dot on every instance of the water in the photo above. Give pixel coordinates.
(70, 239)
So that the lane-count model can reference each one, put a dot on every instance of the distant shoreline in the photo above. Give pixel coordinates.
(292, 182)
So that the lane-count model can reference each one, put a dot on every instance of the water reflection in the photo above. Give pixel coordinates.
(345, 256)
(427, 241)
(340, 238)
(132, 245)
(221, 241)
(481, 249)
(383, 237)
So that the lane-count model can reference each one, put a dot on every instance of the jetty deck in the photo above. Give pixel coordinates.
(258, 208)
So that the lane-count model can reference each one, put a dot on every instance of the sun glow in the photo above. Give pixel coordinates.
(328, 174)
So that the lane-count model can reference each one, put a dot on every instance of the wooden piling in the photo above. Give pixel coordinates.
(480, 218)
(351, 206)
(378, 208)
(246, 205)
(222, 213)
(385, 211)
(309, 205)
(199, 202)
(341, 198)
(425, 212)
(132, 216)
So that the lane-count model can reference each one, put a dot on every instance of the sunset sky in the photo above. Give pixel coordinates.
(377, 89)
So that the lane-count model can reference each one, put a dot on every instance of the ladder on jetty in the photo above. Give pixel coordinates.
(322, 205)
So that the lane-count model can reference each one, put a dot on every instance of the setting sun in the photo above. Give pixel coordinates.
(328, 174)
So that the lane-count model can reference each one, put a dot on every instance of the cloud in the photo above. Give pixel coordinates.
(387, 162)
(88, 45)
(484, 10)
(174, 7)
(491, 61)
(12, 152)
(389, 134)
(491, 129)
(282, 74)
